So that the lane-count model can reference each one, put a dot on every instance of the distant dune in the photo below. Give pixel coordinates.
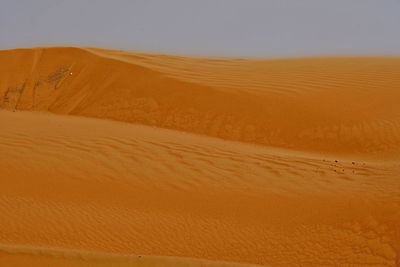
(177, 161)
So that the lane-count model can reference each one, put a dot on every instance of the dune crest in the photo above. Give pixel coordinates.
(342, 106)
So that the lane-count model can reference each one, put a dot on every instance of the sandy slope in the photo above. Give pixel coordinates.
(95, 185)
(74, 189)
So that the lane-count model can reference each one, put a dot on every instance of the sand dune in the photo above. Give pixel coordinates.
(330, 105)
(210, 161)
(97, 185)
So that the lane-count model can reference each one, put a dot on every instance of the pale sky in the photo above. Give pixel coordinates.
(233, 28)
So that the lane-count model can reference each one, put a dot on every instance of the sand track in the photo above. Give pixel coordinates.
(31, 256)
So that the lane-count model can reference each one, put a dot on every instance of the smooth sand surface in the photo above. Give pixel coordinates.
(173, 161)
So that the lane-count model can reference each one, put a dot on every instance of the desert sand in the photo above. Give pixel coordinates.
(115, 158)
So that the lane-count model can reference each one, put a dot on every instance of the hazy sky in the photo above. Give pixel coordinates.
(249, 28)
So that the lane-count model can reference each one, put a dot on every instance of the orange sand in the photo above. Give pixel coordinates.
(313, 180)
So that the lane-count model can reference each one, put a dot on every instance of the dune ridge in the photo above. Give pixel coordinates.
(310, 104)
(197, 162)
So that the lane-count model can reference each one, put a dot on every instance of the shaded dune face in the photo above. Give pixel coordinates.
(313, 180)
(333, 105)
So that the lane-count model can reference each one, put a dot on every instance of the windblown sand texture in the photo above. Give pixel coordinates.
(113, 158)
